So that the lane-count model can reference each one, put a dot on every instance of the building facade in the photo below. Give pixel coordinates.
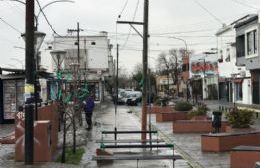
(247, 54)
(204, 76)
(95, 59)
(233, 77)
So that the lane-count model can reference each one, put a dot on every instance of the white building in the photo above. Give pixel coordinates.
(204, 75)
(95, 59)
(233, 77)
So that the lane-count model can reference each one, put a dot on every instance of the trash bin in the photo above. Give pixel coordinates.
(216, 121)
(164, 101)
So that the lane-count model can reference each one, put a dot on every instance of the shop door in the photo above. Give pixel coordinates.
(256, 92)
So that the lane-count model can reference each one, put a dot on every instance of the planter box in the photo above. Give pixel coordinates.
(195, 126)
(202, 117)
(171, 116)
(222, 142)
(230, 129)
(8, 139)
(244, 156)
(159, 109)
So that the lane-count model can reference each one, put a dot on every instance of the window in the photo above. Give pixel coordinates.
(228, 55)
(240, 46)
(238, 91)
(251, 42)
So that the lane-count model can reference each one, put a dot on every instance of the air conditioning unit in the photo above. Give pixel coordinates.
(242, 73)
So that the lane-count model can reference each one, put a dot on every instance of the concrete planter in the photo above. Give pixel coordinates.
(244, 156)
(222, 142)
(159, 109)
(230, 129)
(201, 117)
(195, 126)
(171, 116)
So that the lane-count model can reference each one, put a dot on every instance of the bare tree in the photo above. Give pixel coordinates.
(170, 65)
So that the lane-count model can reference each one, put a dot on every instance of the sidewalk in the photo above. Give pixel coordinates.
(105, 121)
(189, 145)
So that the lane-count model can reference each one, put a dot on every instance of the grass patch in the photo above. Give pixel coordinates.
(72, 158)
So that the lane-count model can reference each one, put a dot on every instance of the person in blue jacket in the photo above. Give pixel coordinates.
(88, 108)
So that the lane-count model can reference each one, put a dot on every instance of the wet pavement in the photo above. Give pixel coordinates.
(128, 118)
(105, 121)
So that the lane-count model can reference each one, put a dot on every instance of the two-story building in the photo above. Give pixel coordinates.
(95, 59)
(233, 76)
(247, 54)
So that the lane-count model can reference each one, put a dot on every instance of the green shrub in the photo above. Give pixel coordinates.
(157, 102)
(239, 118)
(183, 106)
(72, 158)
(201, 110)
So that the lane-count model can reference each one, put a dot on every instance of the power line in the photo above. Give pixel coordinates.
(5, 22)
(152, 34)
(127, 38)
(123, 9)
(245, 4)
(46, 18)
(211, 14)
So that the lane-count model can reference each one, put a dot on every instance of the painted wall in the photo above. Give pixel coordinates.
(226, 51)
(95, 49)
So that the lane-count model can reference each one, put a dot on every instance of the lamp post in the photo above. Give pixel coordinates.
(58, 57)
(186, 54)
(74, 68)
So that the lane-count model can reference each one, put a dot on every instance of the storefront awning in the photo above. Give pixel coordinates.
(238, 80)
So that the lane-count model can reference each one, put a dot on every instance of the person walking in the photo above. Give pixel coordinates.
(89, 107)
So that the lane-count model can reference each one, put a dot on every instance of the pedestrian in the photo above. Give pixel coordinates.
(88, 108)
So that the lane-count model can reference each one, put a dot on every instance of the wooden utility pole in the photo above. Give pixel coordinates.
(145, 37)
(145, 64)
(29, 82)
(78, 40)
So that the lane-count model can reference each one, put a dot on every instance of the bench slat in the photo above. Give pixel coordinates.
(128, 141)
(139, 146)
(128, 132)
(137, 157)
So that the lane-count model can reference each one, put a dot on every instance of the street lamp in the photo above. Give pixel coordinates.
(186, 54)
(36, 17)
(58, 57)
(74, 68)
(38, 40)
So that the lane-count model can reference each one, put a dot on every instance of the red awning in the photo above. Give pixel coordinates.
(238, 80)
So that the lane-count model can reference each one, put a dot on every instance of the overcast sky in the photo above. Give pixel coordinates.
(195, 21)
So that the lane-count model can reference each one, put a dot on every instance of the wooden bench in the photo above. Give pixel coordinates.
(129, 141)
(244, 156)
(222, 142)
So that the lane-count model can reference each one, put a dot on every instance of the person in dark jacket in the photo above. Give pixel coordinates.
(88, 108)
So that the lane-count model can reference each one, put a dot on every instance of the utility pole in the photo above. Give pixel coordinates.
(116, 101)
(145, 63)
(145, 37)
(29, 82)
(78, 40)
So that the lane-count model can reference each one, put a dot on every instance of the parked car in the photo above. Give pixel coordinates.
(133, 98)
